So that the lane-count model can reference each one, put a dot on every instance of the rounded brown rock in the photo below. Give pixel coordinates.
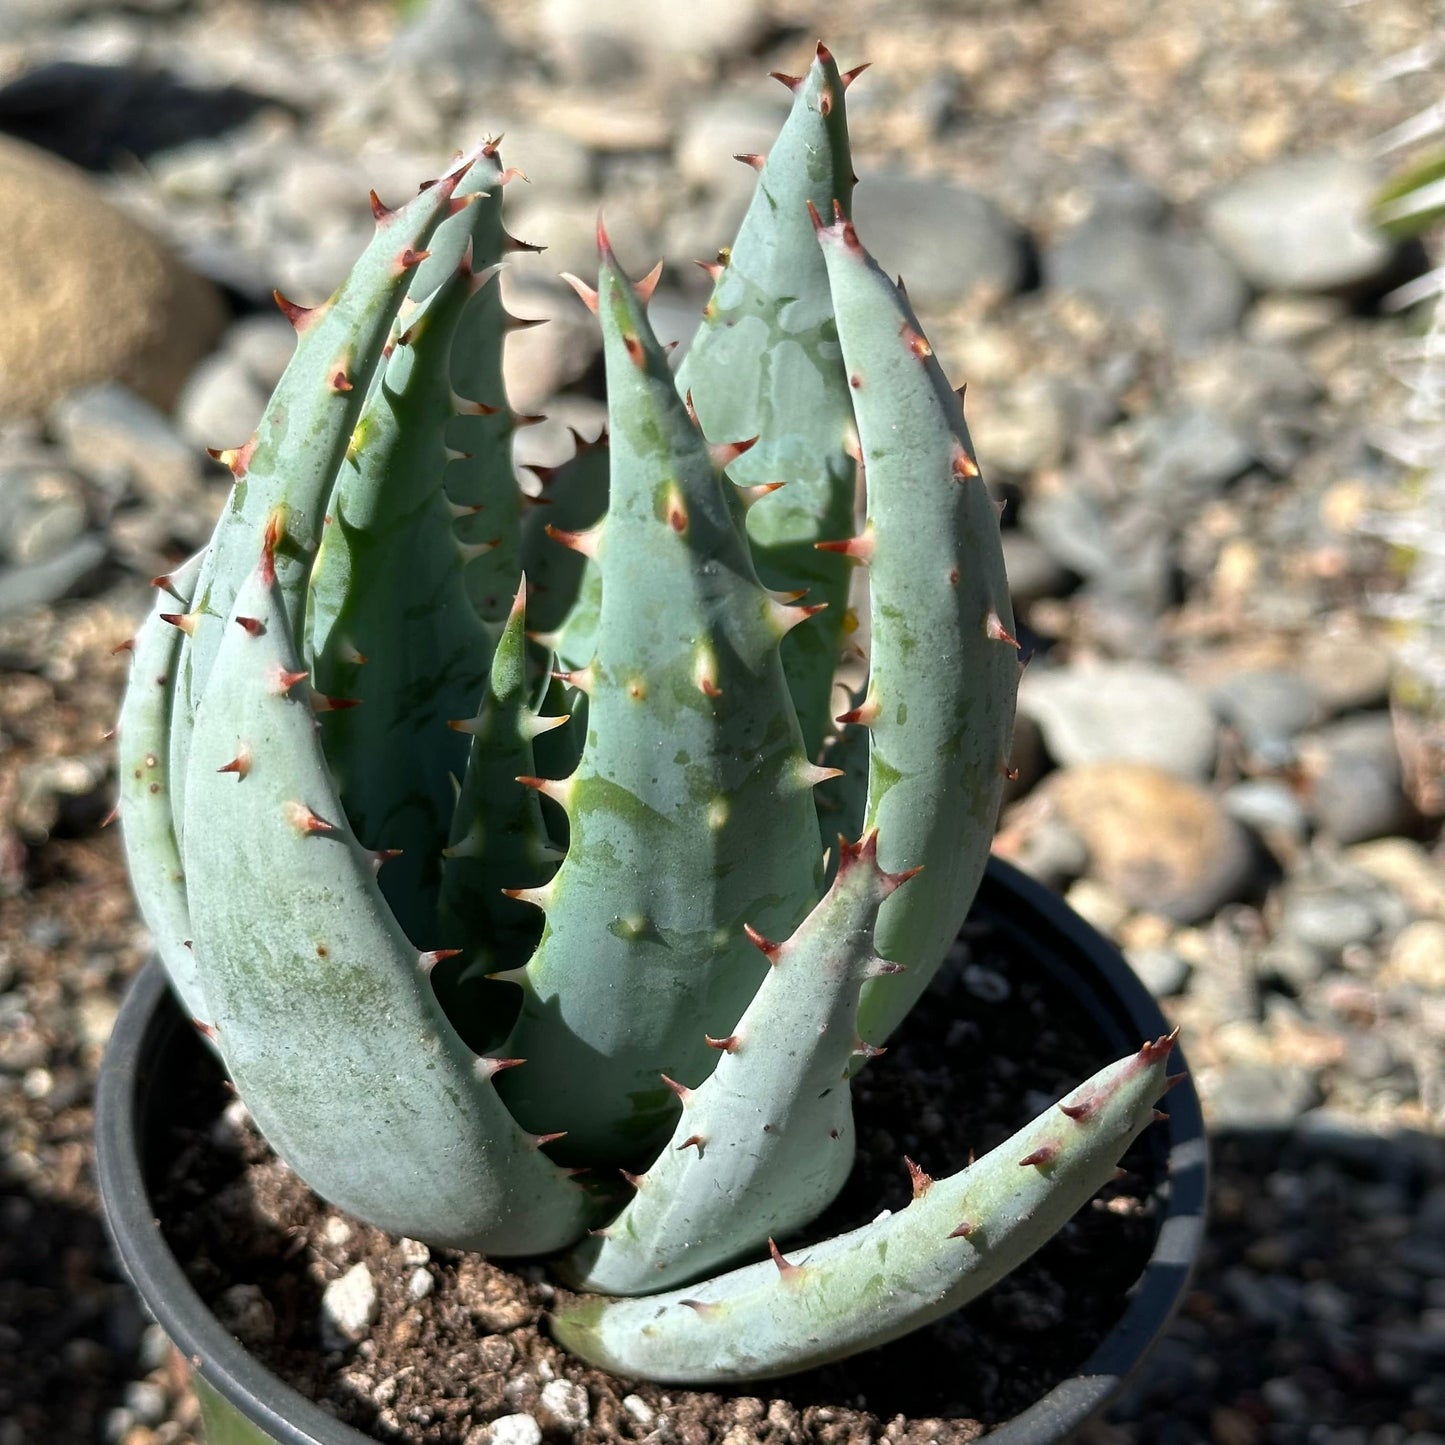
(1164, 844)
(90, 295)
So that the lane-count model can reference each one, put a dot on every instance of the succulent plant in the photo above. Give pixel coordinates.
(472, 880)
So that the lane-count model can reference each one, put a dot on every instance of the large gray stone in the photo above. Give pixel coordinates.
(944, 239)
(727, 125)
(458, 34)
(1301, 224)
(600, 38)
(121, 440)
(1142, 271)
(1189, 457)
(42, 511)
(1121, 712)
(42, 583)
(1269, 707)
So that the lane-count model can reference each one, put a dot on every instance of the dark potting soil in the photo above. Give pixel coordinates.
(988, 1047)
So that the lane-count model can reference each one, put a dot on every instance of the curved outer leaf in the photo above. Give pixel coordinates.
(147, 827)
(293, 458)
(945, 667)
(958, 1237)
(324, 1014)
(765, 363)
(766, 1142)
(690, 812)
(392, 626)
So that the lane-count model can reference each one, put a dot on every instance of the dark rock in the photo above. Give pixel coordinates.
(95, 115)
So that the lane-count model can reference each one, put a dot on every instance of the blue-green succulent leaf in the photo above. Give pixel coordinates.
(944, 664)
(958, 1237)
(147, 824)
(766, 364)
(690, 812)
(322, 1008)
(766, 1141)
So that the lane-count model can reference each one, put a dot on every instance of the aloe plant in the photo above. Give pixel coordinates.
(478, 828)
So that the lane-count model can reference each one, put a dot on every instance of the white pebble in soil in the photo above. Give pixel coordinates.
(515, 1430)
(348, 1308)
(413, 1252)
(565, 1404)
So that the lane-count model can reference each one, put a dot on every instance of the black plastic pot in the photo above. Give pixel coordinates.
(244, 1404)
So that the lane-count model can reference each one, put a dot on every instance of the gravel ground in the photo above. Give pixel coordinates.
(1135, 231)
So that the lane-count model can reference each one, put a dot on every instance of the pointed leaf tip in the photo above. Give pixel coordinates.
(380, 212)
(489, 1068)
(765, 946)
(1153, 1051)
(585, 292)
(786, 1268)
(997, 632)
(920, 1180)
(240, 764)
(648, 284)
(300, 317)
(305, 820)
(1043, 1156)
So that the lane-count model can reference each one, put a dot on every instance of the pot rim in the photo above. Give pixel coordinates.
(144, 1026)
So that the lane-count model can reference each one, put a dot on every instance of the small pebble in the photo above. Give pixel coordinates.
(1329, 921)
(566, 1403)
(147, 1403)
(348, 1308)
(1269, 806)
(515, 1430)
(413, 1252)
(1163, 972)
(1259, 1096)
(986, 983)
(420, 1283)
(1417, 956)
